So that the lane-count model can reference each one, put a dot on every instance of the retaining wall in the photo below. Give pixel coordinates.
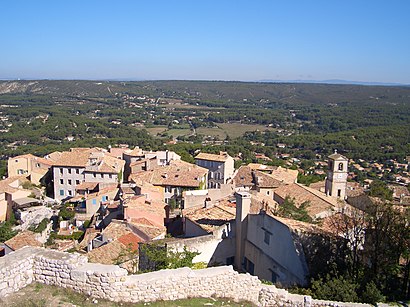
(20, 268)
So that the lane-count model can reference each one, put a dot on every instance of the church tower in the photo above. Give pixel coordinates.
(336, 180)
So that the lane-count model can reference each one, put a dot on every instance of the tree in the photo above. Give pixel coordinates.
(380, 189)
(156, 256)
(6, 231)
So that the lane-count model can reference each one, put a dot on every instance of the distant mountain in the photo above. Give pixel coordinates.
(336, 81)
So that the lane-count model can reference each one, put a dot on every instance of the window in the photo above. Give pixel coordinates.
(102, 175)
(70, 193)
(168, 189)
(248, 266)
(110, 176)
(77, 171)
(61, 181)
(230, 260)
(104, 198)
(266, 238)
(94, 202)
(77, 182)
(61, 192)
(37, 165)
(339, 193)
(340, 166)
(274, 276)
(94, 175)
(69, 170)
(61, 170)
(69, 181)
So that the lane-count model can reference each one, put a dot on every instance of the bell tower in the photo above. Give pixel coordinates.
(336, 179)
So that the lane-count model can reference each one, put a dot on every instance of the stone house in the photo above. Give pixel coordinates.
(137, 160)
(220, 168)
(10, 190)
(172, 179)
(81, 165)
(90, 200)
(34, 168)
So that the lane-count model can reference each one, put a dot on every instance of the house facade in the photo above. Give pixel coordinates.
(89, 165)
(220, 168)
(172, 179)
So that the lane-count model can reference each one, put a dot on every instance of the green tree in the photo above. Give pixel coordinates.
(380, 189)
(6, 231)
(334, 289)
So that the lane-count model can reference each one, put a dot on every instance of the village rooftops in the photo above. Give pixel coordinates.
(92, 159)
(136, 152)
(318, 202)
(177, 173)
(25, 238)
(213, 217)
(222, 157)
(262, 167)
(12, 184)
(111, 252)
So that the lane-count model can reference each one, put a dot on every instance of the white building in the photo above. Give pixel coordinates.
(221, 168)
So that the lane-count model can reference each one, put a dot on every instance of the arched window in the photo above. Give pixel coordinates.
(340, 166)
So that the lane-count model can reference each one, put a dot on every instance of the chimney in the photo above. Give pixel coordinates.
(243, 205)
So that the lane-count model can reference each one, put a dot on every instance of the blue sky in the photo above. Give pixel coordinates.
(207, 40)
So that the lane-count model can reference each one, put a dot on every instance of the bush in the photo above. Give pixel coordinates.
(66, 213)
(40, 227)
(372, 294)
(6, 232)
(334, 289)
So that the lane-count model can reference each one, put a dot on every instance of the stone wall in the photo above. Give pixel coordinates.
(111, 282)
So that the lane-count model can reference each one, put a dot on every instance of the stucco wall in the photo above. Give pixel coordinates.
(287, 262)
(111, 282)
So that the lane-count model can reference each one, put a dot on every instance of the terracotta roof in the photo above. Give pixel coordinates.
(25, 238)
(211, 218)
(300, 194)
(130, 240)
(11, 184)
(285, 175)
(264, 180)
(243, 177)
(80, 157)
(261, 167)
(247, 177)
(136, 152)
(177, 173)
(87, 185)
(150, 229)
(75, 158)
(108, 253)
(212, 157)
(115, 230)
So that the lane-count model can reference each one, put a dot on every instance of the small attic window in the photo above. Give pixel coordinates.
(176, 176)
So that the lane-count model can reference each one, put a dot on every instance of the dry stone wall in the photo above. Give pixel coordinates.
(111, 282)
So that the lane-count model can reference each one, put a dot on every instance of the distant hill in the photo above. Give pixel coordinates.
(226, 91)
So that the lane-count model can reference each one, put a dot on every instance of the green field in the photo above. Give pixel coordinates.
(216, 131)
(235, 130)
(155, 130)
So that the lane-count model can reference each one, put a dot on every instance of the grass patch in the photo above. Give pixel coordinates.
(216, 131)
(235, 130)
(155, 130)
(178, 132)
(39, 295)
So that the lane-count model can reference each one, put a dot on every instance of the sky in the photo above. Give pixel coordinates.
(365, 40)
